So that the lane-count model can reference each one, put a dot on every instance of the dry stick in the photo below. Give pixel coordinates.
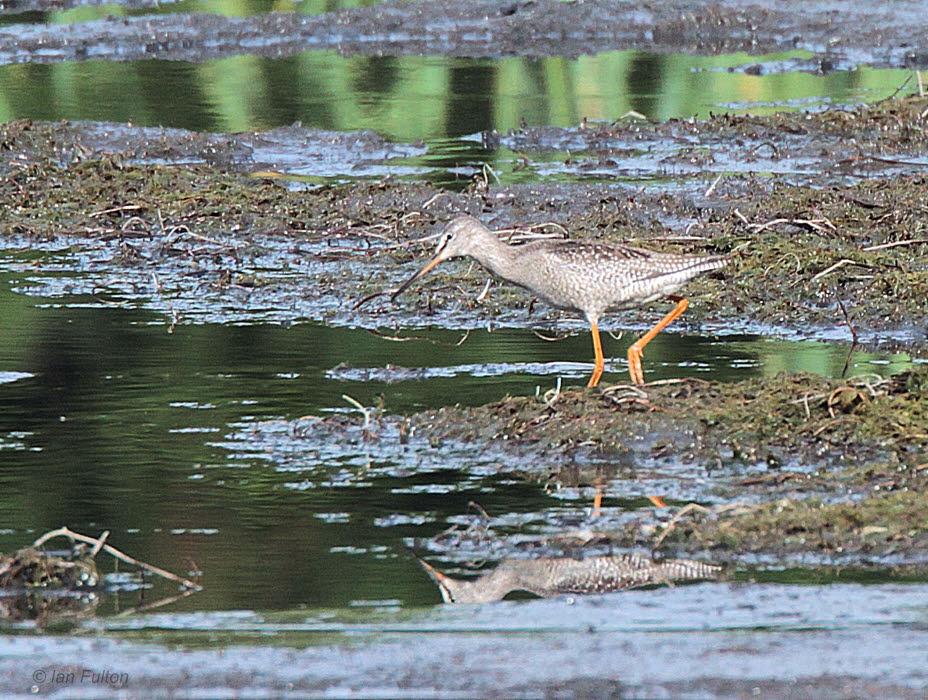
(832, 268)
(100, 542)
(551, 339)
(433, 199)
(850, 326)
(367, 415)
(65, 532)
(833, 396)
(673, 521)
(555, 393)
(486, 290)
(894, 244)
(125, 207)
(822, 429)
(367, 299)
(713, 186)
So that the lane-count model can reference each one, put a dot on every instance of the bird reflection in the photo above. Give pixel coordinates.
(551, 576)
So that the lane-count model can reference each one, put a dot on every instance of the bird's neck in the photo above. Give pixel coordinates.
(499, 258)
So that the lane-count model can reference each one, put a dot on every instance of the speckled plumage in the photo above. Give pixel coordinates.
(589, 277)
(548, 576)
(594, 278)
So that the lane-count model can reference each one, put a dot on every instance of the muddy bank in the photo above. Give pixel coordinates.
(810, 464)
(837, 36)
(211, 242)
(792, 469)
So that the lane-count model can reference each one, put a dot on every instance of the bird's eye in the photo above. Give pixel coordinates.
(442, 242)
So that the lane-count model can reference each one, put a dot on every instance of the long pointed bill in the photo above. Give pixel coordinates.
(439, 578)
(432, 263)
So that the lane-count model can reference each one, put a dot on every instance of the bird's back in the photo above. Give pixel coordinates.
(593, 277)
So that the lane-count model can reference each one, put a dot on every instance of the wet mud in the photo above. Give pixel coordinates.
(794, 464)
(793, 469)
(178, 222)
(873, 33)
(200, 228)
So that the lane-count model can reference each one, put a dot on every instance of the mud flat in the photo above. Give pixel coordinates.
(836, 36)
(836, 247)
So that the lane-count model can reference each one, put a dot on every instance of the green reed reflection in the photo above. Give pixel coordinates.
(414, 97)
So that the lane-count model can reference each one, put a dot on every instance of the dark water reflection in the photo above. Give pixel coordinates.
(126, 427)
(418, 97)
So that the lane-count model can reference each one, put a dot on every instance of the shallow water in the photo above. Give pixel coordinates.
(180, 442)
(422, 97)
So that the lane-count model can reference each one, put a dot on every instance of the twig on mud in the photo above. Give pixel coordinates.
(673, 521)
(712, 187)
(821, 429)
(717, 510)
(805, 404)
(832, 397)
(678, 380)
(881, 246)
(183, 229)
(850, 326)
(821, 225)
(99, 544)
(431, 200)
(772, 146)
(882, 159)
(549, 402)
(486, 290)
(367, 299)
(113, 210)
(868, 381)
(364, 411)
(631, 388)
(832, 268)
(632, 394)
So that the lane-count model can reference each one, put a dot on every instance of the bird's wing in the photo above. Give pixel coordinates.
(570, 252)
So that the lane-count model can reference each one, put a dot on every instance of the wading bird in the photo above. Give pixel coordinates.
(589, 277)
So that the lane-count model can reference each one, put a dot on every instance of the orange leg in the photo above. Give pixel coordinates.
(598, 351)
(635, 351)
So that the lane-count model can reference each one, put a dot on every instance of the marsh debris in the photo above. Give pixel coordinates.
(28, 568)
(47, 586)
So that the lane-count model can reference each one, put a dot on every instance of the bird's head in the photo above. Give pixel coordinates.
(456, 240)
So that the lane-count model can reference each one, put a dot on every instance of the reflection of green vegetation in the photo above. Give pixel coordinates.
(411, 97)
